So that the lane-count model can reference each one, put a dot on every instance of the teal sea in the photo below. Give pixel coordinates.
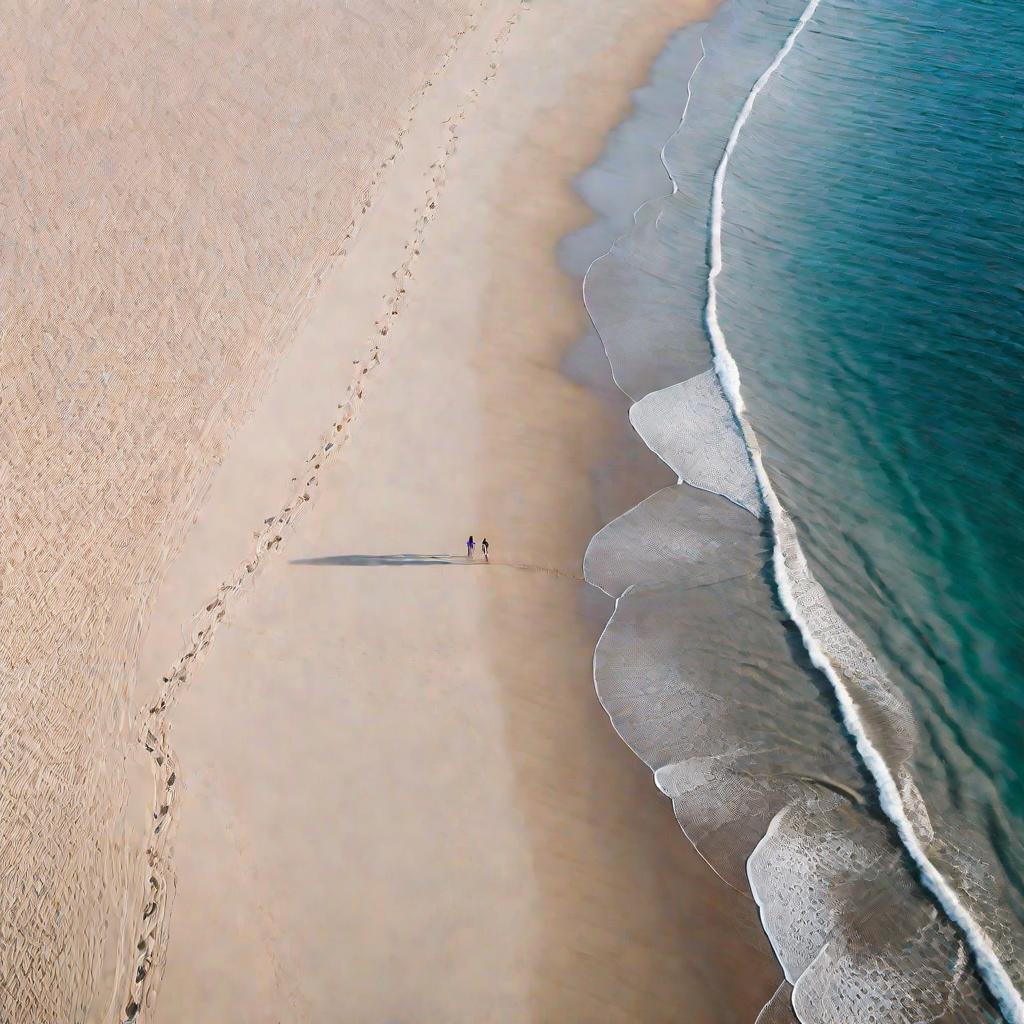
(874, 299)
(817, 645)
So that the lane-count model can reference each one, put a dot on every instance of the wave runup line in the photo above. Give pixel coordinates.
(990, 967)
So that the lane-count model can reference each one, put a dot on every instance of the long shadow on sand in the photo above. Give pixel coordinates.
(384, 560)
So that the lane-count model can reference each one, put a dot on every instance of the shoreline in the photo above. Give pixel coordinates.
(481, 751)
(656, 695)
(621, 471)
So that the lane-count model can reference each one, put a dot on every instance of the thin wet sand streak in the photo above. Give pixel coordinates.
(154, 917)
(410, 560)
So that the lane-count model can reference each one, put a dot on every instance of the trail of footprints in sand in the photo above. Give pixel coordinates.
(152, 926)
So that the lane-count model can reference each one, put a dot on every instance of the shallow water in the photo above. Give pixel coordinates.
(869, 241)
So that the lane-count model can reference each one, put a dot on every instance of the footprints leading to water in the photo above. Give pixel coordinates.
(154, 735)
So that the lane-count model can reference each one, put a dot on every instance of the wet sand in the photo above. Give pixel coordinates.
(395, 795)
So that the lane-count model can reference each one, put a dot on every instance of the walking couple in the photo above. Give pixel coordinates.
(471, 547)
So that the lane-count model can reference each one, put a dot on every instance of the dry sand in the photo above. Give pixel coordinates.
(396, 796)
(384, 788)
(176, 176)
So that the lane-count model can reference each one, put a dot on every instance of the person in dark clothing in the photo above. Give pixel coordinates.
(485, 547)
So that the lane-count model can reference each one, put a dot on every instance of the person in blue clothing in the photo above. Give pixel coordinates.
(470, 545)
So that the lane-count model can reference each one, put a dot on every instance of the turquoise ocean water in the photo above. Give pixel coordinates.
(874, 299)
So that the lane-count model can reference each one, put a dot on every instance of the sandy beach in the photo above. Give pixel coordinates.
(400, 798)
(178, 177)
(310, 762)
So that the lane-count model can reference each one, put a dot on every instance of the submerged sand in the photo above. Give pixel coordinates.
(384, 788)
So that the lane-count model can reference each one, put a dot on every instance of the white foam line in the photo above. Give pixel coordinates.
(989, 965)
(682, 120)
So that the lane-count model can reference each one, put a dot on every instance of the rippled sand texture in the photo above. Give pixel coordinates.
(176, 177)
